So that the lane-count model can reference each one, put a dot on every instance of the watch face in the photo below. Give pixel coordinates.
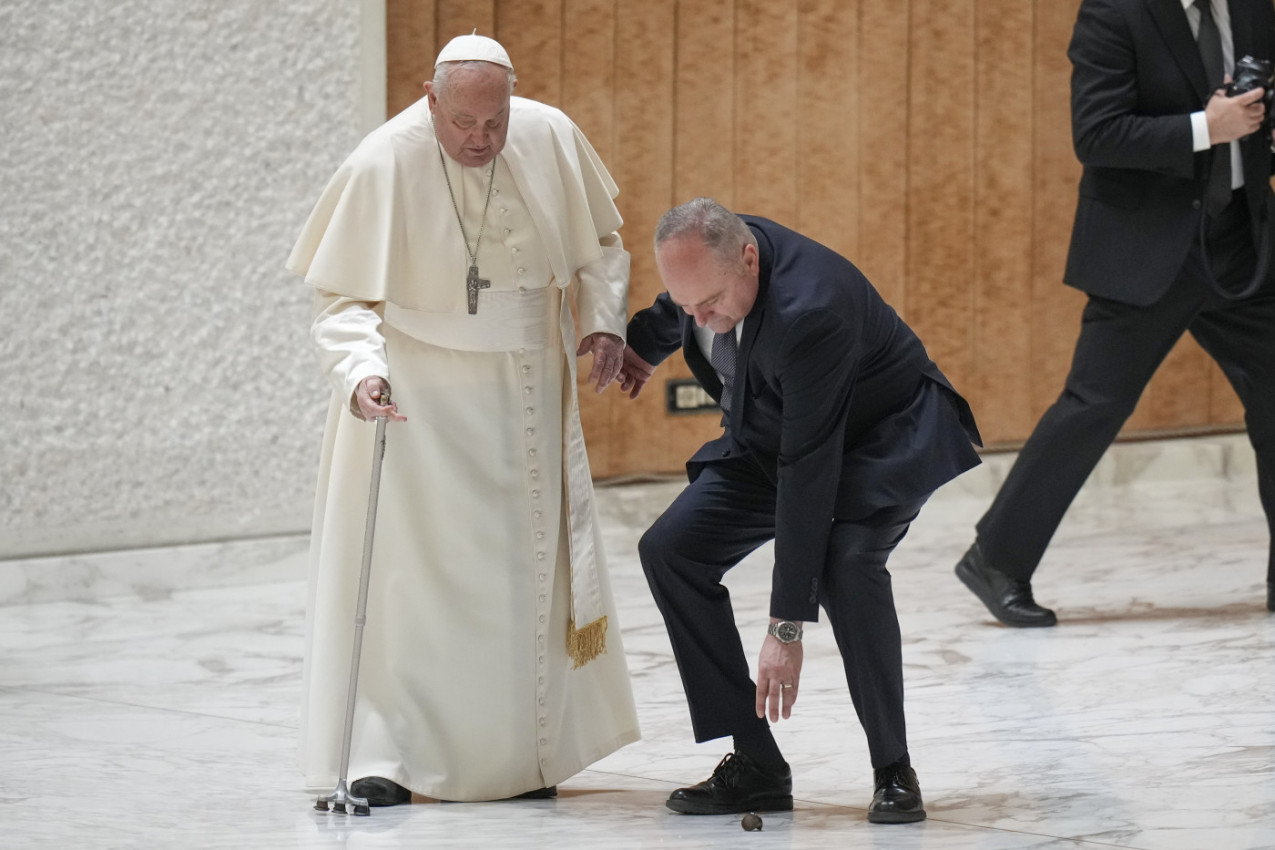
(787, 632)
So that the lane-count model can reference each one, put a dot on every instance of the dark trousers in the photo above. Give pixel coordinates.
(727, 512)
(1119, 349)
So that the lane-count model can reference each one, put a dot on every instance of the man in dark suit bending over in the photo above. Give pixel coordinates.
(838, 427)
(1171, 164)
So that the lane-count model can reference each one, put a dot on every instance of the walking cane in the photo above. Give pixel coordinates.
(341, 800)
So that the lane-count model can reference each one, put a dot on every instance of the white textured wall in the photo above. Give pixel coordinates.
(157, 158)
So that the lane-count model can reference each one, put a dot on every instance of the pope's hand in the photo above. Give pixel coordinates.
(608, 354)
(635, 373)
(367, 398)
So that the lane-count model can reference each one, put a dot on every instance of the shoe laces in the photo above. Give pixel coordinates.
(727, 772)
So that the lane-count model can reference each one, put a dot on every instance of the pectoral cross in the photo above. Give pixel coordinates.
(473, 283)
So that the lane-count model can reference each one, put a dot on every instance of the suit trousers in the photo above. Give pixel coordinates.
(726, 513)
(1119, 348)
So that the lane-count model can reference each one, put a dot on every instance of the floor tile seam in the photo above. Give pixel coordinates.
(140, 707)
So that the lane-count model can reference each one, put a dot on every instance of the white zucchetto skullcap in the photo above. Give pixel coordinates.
(474, 48)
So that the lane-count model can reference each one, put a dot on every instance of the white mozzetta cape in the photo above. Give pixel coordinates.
(373, 232)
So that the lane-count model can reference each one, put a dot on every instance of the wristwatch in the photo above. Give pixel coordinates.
(786, 630)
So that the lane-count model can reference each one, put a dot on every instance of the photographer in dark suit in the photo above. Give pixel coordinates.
(837, 428)
(1172, 234)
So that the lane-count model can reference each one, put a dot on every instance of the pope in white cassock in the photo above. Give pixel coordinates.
(445, 253)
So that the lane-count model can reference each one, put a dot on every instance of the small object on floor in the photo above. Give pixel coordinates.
(750, 822)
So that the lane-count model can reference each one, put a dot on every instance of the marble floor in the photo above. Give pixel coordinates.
(149, 701)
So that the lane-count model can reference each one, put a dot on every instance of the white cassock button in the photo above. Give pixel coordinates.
(531, 411)
(540, 556)
(542, 576)
(531, 432)
(543, 742)
(531, 452)
(526, 369)
(521, 270)
(536, 514)
(540, 535)
(535, 494)
(535, 473)
(515, 250)
(542, 618)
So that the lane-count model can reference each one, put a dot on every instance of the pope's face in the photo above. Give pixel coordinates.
(471, 114)
(715, 292)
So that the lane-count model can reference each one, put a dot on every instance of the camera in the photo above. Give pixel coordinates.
(1252, 74)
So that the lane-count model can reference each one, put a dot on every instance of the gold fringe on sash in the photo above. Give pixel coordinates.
(584, 645)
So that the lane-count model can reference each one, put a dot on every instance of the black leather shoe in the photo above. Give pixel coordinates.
(539, 794)
(1009, 599)
(380, 792)
(897, 798)
(738, 784)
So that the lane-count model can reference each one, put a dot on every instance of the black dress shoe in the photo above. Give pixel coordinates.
(380, 792)
(539, 794)
(1009, 599)
(897, 798)
(738, 784)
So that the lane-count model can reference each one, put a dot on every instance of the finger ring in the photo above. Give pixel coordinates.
(785, 686)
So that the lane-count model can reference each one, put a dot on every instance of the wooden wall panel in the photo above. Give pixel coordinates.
(765, 97)
(531, 30)
(884, 61)
(928, 141)
(1000, 389)
(640, 439)
(940, 237)
(461, 17)
(409, 50)
(827, 151)
(588, 71)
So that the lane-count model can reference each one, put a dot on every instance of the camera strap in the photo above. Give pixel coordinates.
(1259, 272)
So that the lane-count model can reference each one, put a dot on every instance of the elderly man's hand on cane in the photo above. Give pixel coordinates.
(367, 401)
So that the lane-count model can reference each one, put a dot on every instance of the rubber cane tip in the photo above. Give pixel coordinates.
(750, 822)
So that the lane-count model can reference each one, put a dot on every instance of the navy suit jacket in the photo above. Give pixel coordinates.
(835, 401)
(1136, 77)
